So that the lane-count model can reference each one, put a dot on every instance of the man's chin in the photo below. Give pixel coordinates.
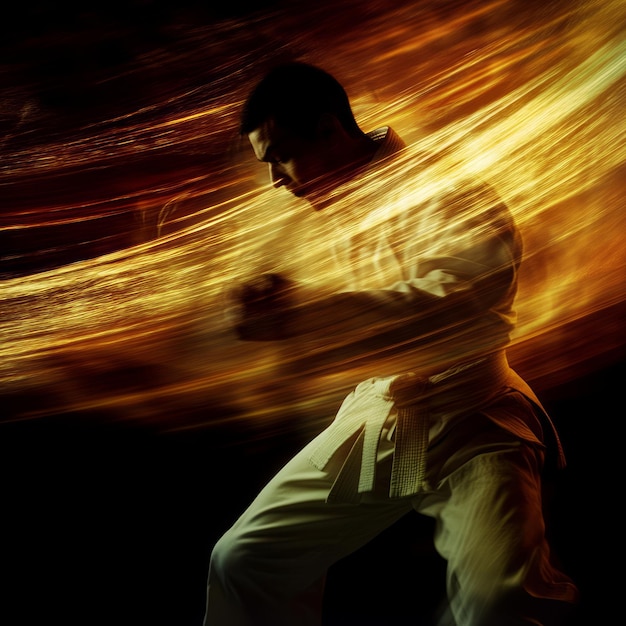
(303, 194)
(316, 199)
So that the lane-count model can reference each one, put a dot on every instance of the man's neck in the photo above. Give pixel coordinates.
(356, 157)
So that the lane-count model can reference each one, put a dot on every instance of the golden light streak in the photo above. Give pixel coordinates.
(530, 101)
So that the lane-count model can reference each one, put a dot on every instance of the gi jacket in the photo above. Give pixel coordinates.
(423, 276)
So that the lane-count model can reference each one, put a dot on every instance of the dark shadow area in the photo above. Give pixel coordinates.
(108, 523)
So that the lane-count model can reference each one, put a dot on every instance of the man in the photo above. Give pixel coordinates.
(457, 436)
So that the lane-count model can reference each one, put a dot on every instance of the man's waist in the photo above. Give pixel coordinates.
(460, 387)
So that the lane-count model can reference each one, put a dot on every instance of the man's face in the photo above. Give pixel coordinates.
(304, 167)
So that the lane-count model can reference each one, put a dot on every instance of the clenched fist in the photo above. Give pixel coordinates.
(262, 308)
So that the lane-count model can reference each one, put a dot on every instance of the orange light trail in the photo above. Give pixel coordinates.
(530, 99)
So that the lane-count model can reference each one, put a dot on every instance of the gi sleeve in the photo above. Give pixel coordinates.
(458, 256)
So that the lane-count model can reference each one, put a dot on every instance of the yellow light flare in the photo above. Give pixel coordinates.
(534, 105)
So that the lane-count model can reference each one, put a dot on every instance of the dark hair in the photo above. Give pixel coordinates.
(296, 95)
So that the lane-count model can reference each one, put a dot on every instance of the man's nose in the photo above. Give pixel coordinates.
(277, 176)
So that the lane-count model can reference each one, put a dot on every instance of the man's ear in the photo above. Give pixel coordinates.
(328, 126)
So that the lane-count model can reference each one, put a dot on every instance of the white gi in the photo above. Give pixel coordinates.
(460, 437)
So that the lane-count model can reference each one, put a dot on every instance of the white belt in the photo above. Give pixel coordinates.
(458, 389)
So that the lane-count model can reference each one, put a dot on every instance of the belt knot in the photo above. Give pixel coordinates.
(409, 389)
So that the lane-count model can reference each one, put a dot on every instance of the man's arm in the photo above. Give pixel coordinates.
(468, 272)
(262, 308)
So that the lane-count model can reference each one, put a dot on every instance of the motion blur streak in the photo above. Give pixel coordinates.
(131, 322)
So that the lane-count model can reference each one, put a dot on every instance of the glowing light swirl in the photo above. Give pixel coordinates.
(534, 106)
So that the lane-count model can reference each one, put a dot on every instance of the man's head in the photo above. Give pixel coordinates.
(299, 120)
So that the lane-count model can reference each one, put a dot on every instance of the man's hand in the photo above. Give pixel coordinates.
(262, 308)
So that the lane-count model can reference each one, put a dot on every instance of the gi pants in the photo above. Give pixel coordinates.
(482, 486)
